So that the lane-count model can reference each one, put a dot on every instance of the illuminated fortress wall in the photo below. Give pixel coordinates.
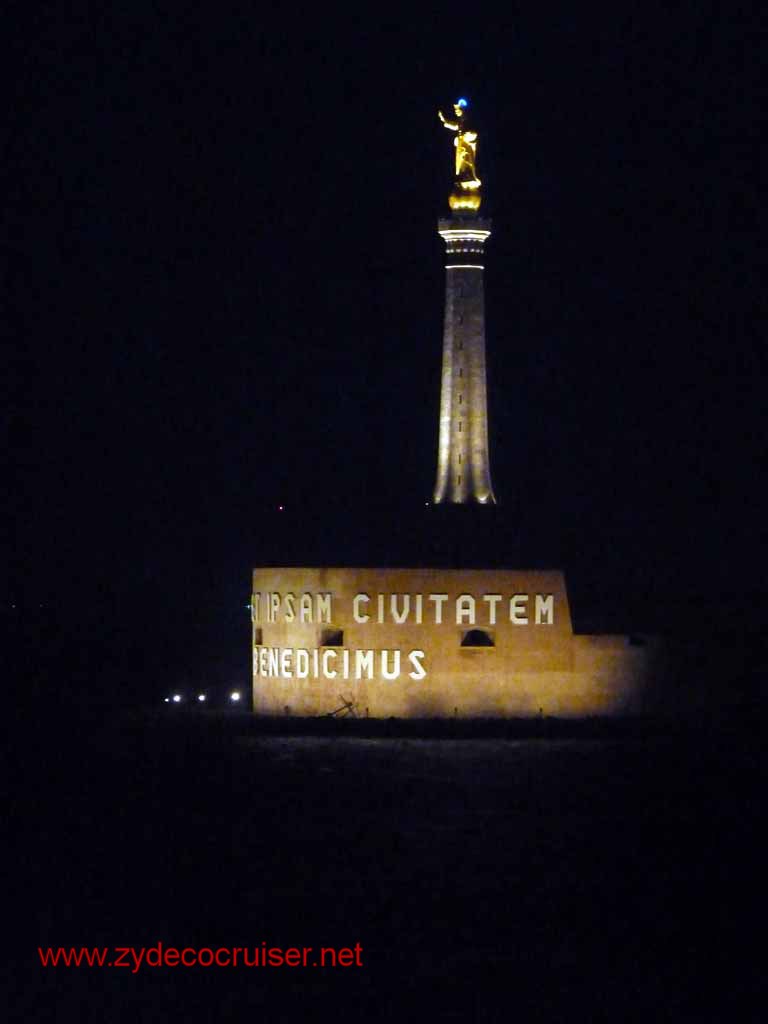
(432, 642)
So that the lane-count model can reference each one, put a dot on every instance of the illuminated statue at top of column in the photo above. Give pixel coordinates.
(466, 194)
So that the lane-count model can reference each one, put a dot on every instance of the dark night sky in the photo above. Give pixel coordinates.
(222, 288)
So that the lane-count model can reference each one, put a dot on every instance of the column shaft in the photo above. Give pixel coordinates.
(463, 464)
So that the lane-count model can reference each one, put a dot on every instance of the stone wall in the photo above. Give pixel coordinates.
(433, 642)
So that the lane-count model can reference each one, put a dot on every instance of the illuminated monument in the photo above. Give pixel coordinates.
(409, 619)
(463, 468)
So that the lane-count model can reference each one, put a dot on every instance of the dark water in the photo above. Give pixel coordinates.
(484, 878)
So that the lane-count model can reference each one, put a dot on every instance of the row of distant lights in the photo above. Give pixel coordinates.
(177, 698)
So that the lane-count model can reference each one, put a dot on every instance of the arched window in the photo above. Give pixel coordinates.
(477, 638)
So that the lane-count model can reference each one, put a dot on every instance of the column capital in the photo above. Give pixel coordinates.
(467, 227)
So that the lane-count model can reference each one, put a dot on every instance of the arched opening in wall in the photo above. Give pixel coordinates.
(477, 638)
(332, 638)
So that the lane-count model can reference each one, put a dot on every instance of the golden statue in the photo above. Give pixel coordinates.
(466, 194)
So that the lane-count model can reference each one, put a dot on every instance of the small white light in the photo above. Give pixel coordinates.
(167, 700)
(201, 696)
(235, 695)
(177, 698)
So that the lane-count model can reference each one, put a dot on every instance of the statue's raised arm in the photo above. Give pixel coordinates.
(453, 125)
(467, 184)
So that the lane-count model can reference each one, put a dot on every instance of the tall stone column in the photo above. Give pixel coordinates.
(463, 465)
